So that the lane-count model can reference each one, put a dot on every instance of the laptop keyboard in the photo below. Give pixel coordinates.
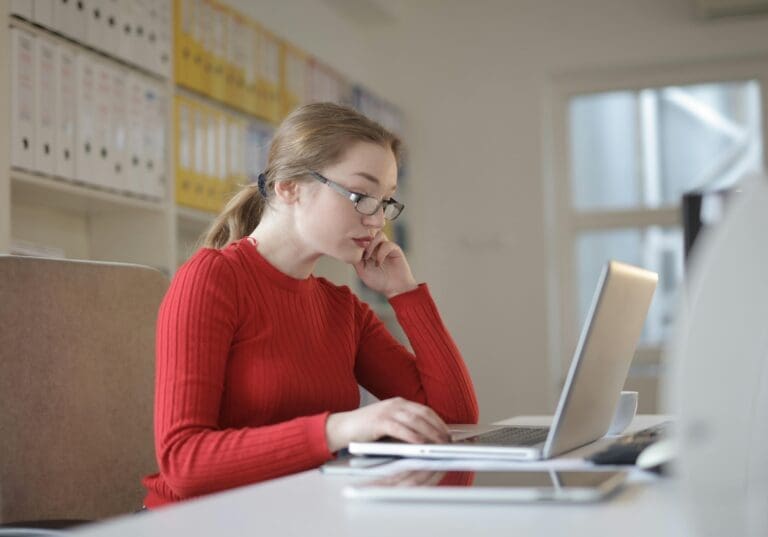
(510, 436)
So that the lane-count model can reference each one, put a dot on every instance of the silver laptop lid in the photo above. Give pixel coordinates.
(603, 355)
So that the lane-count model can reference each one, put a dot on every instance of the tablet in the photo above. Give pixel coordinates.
(491, 486)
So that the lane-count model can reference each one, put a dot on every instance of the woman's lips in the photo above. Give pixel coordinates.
(362, 243)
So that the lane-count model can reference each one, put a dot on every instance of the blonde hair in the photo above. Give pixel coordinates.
(312, 137)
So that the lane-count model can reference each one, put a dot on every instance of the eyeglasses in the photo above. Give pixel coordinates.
(366, 205)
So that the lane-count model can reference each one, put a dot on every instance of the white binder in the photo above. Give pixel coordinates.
(118, 167)
(155, 103)
(135, 141)
(164, 48)
(66, 108)
(111, 26)
(94, 26)
(141, 54)
(23, 89)
(127, 32)
(85, 131)
(45, 106)
(42, 13)
(102, 124)
(21, 8)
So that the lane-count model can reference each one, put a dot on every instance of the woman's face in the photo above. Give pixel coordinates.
(327, 222)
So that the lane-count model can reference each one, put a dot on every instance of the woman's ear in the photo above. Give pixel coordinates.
(287, 191)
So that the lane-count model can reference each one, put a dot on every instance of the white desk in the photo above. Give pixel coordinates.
(310, 503)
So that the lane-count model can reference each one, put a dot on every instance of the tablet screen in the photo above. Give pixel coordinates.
(488, 484)
(526, 479)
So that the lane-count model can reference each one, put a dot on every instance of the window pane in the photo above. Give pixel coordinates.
(604, 151)
(709, 137)
(643, 149)
(655, 248)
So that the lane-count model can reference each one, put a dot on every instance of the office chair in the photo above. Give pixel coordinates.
(76, 388)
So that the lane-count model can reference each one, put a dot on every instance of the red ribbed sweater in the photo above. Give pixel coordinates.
(250, 362)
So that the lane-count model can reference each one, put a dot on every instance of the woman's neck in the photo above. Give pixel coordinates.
(280, 247)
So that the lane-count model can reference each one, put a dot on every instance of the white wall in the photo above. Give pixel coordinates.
(470, 77)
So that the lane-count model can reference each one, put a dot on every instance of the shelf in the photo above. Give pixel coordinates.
(56, 193)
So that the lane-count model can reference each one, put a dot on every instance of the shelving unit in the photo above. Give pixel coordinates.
(72, 217)
(50, 214)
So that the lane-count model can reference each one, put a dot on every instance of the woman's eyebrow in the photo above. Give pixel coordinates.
(372, 179)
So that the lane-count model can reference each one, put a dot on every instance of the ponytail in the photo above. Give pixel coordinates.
(239, 218)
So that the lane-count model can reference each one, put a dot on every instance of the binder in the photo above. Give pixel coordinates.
(94, 28)
(250, 69)
(211, 196)
(183, 22)
(238, 41)
(102, 173)
(111, 27)
(135, 135)
(45, 106)
(141, 50)
(85, 130)
(258, 137)
(222, 164)
(269, 67)
(158, 36)
(218, 52)
(274, 96)
(183, 148)
(117, 167)
(196, 74)
(236, 132)
(293, 78)
(126, 32)
(23, 89)
(164, 37)
(199, 130)
(205, 45)
(66, 111)
(154, 134)
(21, 8)
(161, 140)
(42, 13)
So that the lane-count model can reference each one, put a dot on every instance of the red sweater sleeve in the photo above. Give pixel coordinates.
(435, 376)
(196, 324)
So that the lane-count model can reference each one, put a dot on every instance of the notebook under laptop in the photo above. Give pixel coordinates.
(591, 391)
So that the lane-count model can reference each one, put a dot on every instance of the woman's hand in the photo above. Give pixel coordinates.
(384, 268)
(397, 417)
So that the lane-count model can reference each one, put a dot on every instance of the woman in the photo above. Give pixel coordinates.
(258, 361)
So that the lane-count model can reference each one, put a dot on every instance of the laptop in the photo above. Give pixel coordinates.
(591, 391)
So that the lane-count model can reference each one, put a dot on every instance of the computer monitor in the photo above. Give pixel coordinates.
(699, 210)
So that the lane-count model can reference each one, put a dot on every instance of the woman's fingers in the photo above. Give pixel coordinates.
(423, 425)
(377, 240)
(419, 419)
(402, 432)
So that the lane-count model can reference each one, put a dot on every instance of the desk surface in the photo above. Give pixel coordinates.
(310, 503)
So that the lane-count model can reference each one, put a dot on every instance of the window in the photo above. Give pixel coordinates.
(638, 150)
(622, 160)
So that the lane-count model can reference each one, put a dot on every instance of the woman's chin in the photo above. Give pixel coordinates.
(350, 257)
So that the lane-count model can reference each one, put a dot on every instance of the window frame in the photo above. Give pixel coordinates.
(564, 223)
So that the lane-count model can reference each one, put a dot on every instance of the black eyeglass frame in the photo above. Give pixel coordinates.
(356, 198)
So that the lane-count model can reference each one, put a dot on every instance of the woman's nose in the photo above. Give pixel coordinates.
(375, 220)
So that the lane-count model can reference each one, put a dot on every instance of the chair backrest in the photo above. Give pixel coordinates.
(76, 386)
